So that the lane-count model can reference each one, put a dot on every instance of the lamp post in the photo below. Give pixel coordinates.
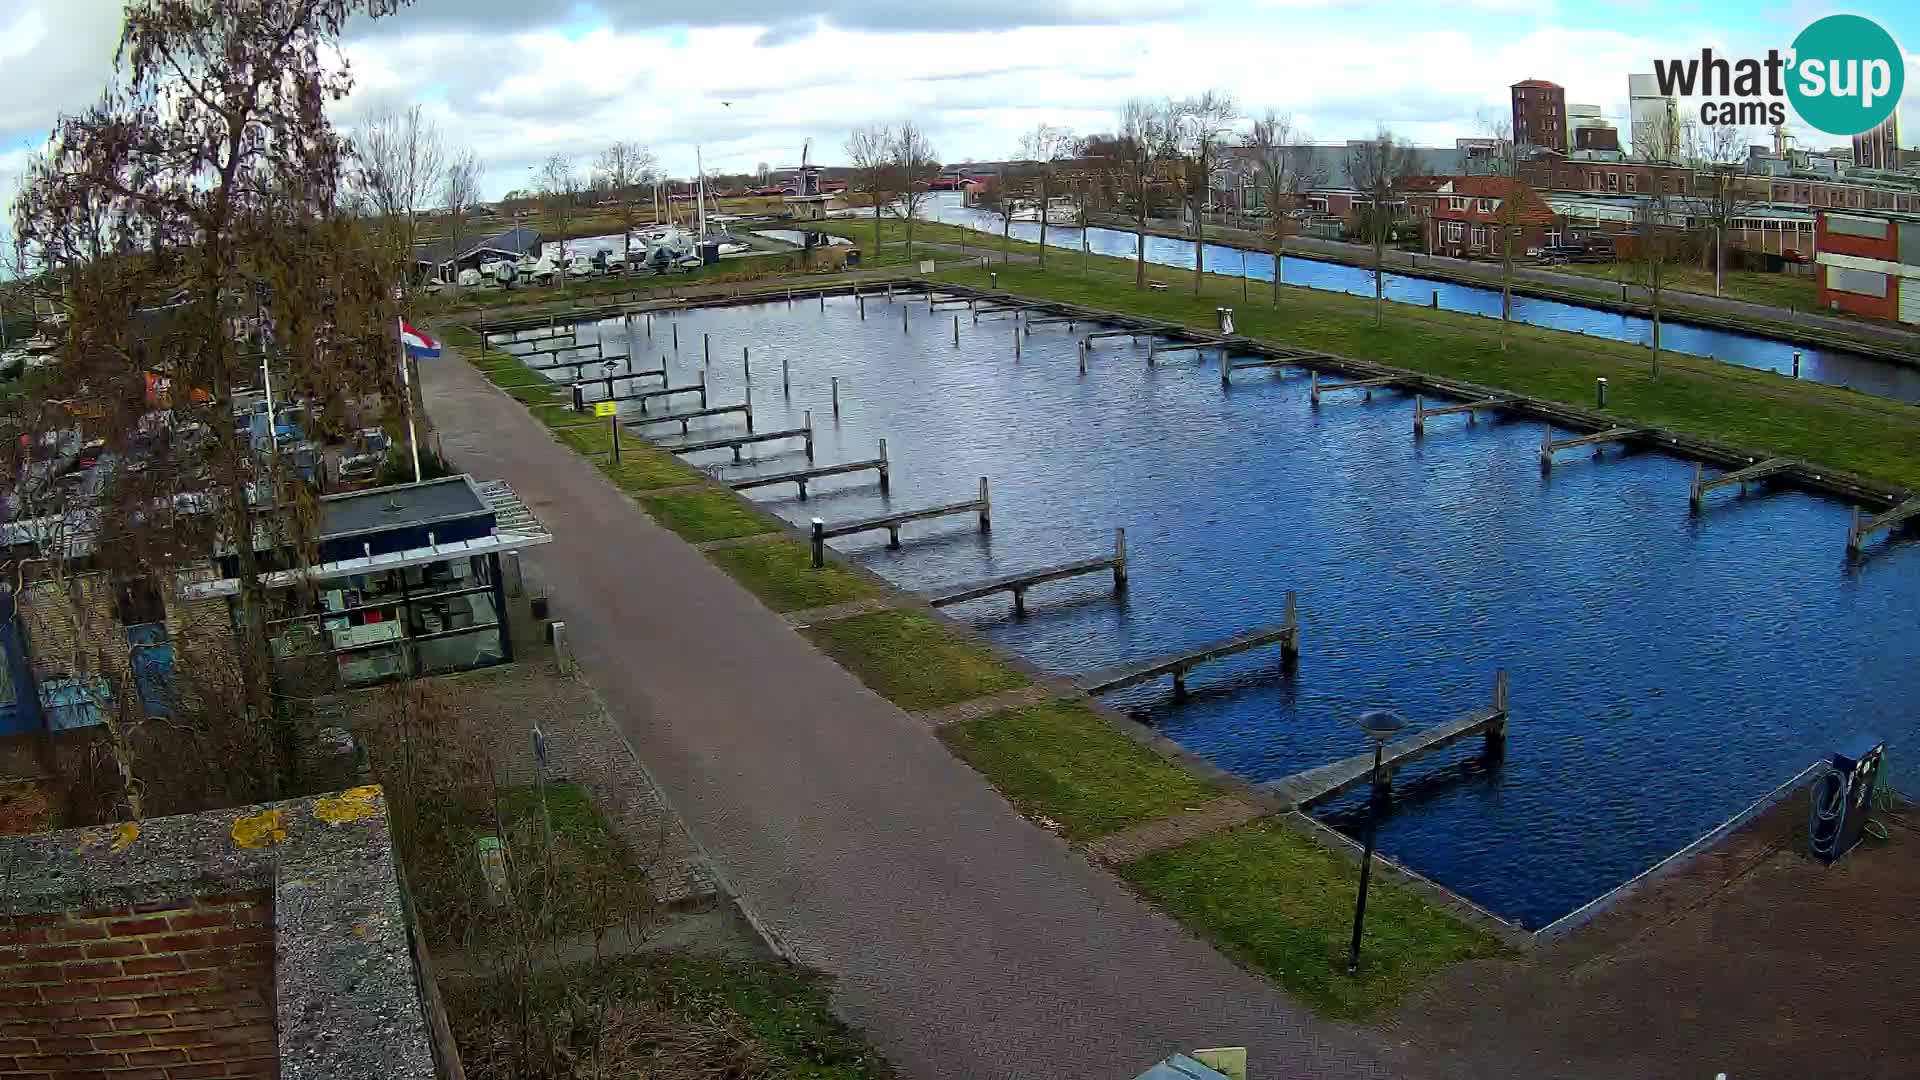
(1379, 725)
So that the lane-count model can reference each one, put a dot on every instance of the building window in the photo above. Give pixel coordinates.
(137, 602)
(1613, 181)
(1455, 231)
(1633, 182)
(1456, 203)
(1479, 236)
(1486, 206)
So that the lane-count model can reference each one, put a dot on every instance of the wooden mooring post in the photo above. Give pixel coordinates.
(786, 386)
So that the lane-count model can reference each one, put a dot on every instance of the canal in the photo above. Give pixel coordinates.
(1666, 669)
(1838, 368)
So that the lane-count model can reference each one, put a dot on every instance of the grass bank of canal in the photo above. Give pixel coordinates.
(1649, 648)
(1280, 904)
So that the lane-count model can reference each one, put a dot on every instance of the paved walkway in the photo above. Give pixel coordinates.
(966, 941)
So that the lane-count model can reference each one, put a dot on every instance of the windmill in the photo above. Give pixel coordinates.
(806, 174)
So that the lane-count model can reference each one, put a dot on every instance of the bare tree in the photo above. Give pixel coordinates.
(914, 163)
(870, 152)
(1283, 167)
(1145, 142)
(399, 162)
(1045, 147)
(1199, 127)
(1722, 190)
(203, 190)
(624, 168)
(994, 199)
(460, 193)
(1379, 167)
(1503, 161)
(560, 187)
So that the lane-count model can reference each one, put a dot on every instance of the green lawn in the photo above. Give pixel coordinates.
(699, 516)
(1283, 906)
(1850, 431)
(781, 573)
(913, 660)
(1779, 290)
(669, 1015)
(1060, 761)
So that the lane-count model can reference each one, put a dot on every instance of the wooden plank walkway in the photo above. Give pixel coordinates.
(554, 350)
(592, 380)
(803, 477)
(1286, 634)
(1858, 531)
(695, 414)
(1421, 412)
(1755, 471)
(981, 507)
(1315, 388)
(1549, 445)
(735, 442)
(509, 337)
(1283, 358)
(1310, 786)
(1019, 583)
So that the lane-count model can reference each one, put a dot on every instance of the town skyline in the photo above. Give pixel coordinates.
(751, 82)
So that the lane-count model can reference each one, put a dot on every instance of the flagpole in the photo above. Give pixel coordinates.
(406, 391)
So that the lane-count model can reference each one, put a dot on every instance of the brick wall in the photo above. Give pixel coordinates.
(70, 626)
(162, 991)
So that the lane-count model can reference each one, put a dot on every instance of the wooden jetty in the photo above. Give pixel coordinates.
(735, 442)
(981, 507)
(1019, 583)
(1286, 634)
(1303, 789)
(1858, 531)
(595, 380)
(554, 350)
(512, 337)
(1128, 331)
(1315, 387)
(580, 401)
(1267, 359)
(693, 414)
(1421, 412)
(803, 477)
(1051, 320)
(1756, 471)
(1550, 446)
(932, 303)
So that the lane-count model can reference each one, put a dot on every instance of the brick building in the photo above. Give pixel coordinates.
(1466, 215)
(1539, 114)
(1869, 264)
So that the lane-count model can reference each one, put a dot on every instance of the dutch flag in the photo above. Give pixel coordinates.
(418, 345)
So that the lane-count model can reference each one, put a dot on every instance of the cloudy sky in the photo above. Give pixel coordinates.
(750, 80)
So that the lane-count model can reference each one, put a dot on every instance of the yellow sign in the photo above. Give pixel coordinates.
(1231, 1060)
(603, 408)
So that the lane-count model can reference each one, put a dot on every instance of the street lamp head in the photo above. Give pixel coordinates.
(1381, 724)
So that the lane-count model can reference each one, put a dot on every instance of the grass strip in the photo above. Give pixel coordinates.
(781, 573)
(912, 660)
(1283, 905)
(1060, 763)
(1860, 433)
(699, 516)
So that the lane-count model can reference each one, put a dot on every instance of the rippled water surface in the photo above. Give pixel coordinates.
(1667, 670)
(1818, 365)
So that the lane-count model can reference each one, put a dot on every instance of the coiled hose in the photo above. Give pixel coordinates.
(1829, 805)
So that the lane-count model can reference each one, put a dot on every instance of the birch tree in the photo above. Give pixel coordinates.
(1045, 147)
(459, 194)
(1145, 143)
(914, 163)
(560, 187)
(1379, 167)
(399, 162)
(870, 152)
(1283, 167)
(1199, 127)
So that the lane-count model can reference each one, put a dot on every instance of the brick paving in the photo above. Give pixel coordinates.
(981, 707)
(1149, 837)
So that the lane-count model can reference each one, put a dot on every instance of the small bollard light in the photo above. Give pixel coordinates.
(1600, 393)
(993, 279)
(1796, 363)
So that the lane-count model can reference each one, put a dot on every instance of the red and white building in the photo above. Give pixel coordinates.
(1464, 215)
(1869, 264)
